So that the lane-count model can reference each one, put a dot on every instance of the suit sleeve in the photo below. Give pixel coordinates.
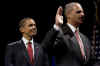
(49, 39)
(9, 57)
(92, 57)
(45, 59)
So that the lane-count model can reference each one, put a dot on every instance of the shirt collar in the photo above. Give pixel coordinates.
(72, 27)
(26, 41)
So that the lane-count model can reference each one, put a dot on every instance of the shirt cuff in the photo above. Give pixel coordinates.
(56, 27)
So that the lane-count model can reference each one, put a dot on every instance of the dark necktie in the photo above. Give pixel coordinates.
(30, 52)
(80, 43)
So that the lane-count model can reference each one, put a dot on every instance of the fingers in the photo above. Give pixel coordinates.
(59, 11)
(59, 17)
(61, 21)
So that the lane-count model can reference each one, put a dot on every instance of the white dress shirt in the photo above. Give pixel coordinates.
(26, 43)
(71, 27)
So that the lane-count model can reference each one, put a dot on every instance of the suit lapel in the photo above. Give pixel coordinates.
(84, 43)
(25, 51)
(67, 31)
(36, 52)
(76, 47)
(86, 46)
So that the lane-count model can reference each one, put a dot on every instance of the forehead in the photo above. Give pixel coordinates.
(30, 21)
(77, 7)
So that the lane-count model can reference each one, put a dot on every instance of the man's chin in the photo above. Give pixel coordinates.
(81, 22)
(34, 34)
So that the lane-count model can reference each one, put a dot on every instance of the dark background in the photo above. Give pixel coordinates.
(43, 11)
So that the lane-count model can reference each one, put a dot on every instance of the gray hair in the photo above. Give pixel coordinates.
(69, 7)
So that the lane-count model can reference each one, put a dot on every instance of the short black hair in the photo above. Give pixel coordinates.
(23, 21)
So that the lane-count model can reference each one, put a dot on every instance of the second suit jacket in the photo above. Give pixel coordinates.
(64, 46)
(16, 55)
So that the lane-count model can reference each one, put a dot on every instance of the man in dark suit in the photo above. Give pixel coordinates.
(26, 52)
(70, 48)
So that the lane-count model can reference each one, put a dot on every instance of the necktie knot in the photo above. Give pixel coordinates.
(77, 31)
(29, 42)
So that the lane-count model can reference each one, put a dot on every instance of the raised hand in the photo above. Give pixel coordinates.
(59, 17)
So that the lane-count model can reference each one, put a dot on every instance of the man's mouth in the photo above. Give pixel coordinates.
(33, 30)
(81, 18)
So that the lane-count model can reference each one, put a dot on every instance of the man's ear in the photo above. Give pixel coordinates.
(21, 29)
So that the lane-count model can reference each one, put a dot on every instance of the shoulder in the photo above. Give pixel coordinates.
(84, 36)
(66, 30)
(12, 44)
(37, 44)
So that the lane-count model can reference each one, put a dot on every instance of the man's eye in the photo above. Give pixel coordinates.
(31, 25)
(78, 12)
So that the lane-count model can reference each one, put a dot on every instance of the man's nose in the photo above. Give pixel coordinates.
(33, 27)
(82, 14)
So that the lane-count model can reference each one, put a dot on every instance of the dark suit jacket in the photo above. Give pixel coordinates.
(16, 55)
(64, 46)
